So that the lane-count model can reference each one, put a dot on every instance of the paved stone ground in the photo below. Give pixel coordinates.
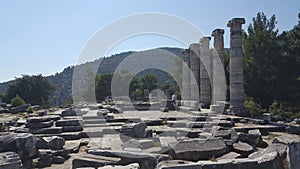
(166, 128)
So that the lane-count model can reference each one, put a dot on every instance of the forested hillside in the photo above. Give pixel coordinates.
(63, 81)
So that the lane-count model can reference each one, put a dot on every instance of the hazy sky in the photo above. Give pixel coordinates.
(45, 36)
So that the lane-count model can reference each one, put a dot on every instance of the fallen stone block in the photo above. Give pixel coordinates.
(231, 155)
(51, 130)
(174, 164)
(146, 161)
(95, 161)
(41, 144)
(69, 112)
(22, 143)
(114, 109)
(293, 144)
(165, 141)
(74, 145)
(225, 134)
(10, 160)
(136, 130)
(132, 149)
(168, 133)
(55, 142)
(42, 112)
(293, 129)
(58, 160)
(158, 122)
(103, 112)
(132, 143)
(39, 119)
(18, 109)
(253, 137)
(198, 149)
(67, 122)
(45, 158)
(39, 124)
(71, 128)
(129, 166)
(94, 121)
(243, 149)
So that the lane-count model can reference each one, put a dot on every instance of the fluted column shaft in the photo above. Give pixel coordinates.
(205, 72)
(236, 66)
(195, 69)
(219, 81)
(186, 93)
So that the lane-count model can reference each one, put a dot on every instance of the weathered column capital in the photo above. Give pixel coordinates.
(195, 47)
(204, 40)
(217, 32)
(235, 22)
(218, 39)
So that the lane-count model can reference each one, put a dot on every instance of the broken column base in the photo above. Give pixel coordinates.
(205, 105)
(239, 111)
(188, 105)
(217, 108)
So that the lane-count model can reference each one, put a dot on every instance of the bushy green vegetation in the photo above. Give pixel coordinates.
(137, 86)
(272, 66)
(30, 109)
(140, 83)
(254, 108)
(33, 89)
(278, 109)
(17, 101)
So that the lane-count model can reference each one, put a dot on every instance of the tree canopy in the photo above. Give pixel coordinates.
(137, 86)
(33, 89)
(272, 62)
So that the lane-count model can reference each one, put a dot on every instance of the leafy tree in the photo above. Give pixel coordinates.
(149, 81)
(135, 89)
(33, 89)
(290, 69)
(137, 85)
(89, 88)
(17, 101)
(272, 66)
(253, 108)
(103, 86)
(261, 52)
(171, 86)
(1, 97)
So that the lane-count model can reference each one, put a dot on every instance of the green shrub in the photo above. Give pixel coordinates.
(253, 107)
(278, 109)
(30, 109)
(3, 127)
(275, 109)
(17, 101)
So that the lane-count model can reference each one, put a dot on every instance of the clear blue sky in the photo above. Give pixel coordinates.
(46, 36)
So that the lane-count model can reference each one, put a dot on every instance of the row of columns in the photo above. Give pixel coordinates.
(204, 69)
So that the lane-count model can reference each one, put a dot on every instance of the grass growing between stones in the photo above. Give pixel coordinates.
(286, 164)
(213, 159)
(272, 136)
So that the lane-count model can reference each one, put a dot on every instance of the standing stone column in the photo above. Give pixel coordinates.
(219, 80)
(205, 72)
(236, 67)
(186, 93)
(195, 68)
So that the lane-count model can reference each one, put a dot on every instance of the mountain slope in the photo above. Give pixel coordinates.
(63, 81)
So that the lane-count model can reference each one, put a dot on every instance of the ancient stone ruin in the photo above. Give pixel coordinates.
(203, 132)
(205, 67)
